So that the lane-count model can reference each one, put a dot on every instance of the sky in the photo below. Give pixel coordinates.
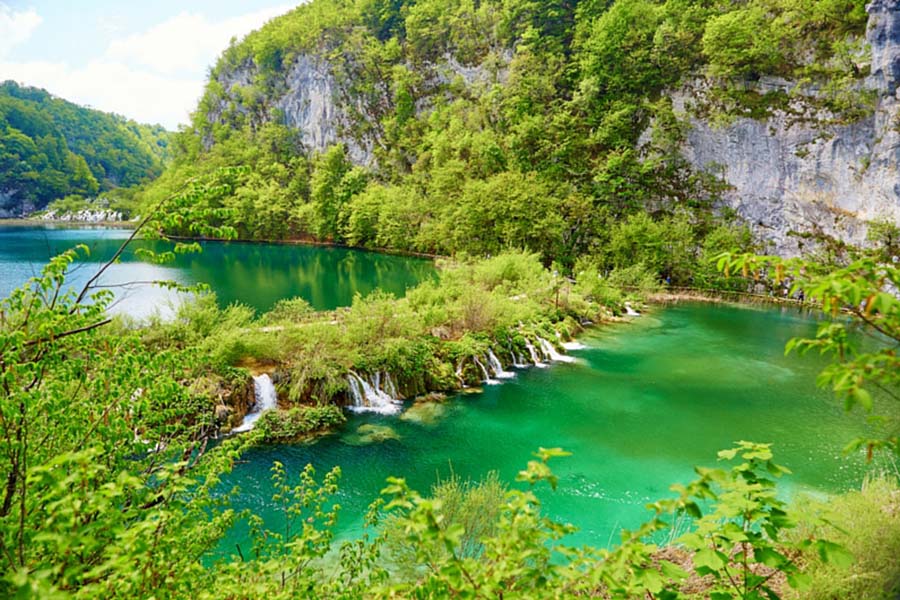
(147, 60)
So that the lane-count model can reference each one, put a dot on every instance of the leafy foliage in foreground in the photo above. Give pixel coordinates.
(739, 543)
(867, 523)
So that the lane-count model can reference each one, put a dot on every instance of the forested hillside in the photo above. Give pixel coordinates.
(51, 148)
(455, 126)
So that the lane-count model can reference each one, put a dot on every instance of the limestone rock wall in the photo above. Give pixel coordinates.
(310, 99)
(785, 175)
(788, 176)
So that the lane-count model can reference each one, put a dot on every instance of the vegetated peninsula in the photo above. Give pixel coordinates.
(51, 149)
(568, 160)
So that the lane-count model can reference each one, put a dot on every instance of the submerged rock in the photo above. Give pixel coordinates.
(371, 434)
(425, 413)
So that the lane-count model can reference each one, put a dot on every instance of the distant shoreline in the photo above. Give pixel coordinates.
(70, 224)
(56, 224)
(310, 242)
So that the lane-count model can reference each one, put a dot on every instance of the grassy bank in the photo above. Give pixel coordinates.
(673, 295)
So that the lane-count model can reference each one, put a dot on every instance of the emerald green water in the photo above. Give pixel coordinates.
(645, 402)
(257, 275)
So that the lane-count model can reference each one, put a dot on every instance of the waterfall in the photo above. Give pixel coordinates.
(367, 397)
(533, 352)
(517, 360)
(389, 386)
(376, 380)
(266, 399)
(484, 371)
(498, 367)
(630, 311)
(459, 374)
(551, 353)
(573, 345)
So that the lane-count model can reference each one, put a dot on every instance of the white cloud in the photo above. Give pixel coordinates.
(111, 24)
(114, 87)
(187, 41)
(16, 27)
(154, 76)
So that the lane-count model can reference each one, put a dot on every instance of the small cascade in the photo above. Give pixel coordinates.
(630, 311)
(367, 397)
(551, 352)
(498, 367)
(266, 399)
(375, 382)
(534, 356)
(459, 374)
(487, 376)
(573, 345)
(517, 360)
(389, 386)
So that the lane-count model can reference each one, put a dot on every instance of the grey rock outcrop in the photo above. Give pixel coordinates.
(311, 104)
(788, 175)
(310, 99)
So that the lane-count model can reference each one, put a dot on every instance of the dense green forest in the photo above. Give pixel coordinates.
(51, 148)
(544, 126)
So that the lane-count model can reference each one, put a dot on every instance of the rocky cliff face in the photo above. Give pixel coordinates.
(788, 176)
(312, 100)
(311, 104)
(308, 99)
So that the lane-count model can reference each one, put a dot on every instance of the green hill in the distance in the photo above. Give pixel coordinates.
(51, 148)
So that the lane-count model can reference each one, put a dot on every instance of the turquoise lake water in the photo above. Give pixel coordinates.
(254, 274)
(644, 403)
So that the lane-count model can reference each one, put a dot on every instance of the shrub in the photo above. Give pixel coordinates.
(297, 422)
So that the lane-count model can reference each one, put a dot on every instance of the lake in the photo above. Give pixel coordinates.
(644, 403)
(254, 274)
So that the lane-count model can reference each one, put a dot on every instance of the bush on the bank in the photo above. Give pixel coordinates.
(867, 523)
(290, 310)
(612, 290)
(473, 506)
(637, 279)
(296, 422)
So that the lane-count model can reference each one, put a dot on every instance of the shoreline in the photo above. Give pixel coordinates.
(674, 295)
(310, 242)
(70, 224)
(56, 224)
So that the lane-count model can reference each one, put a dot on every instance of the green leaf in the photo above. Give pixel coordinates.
(799, 580)
(835, 554)
(673, 571)
(862, 397)
(728, 454)
(707, 558)
(769, 557)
